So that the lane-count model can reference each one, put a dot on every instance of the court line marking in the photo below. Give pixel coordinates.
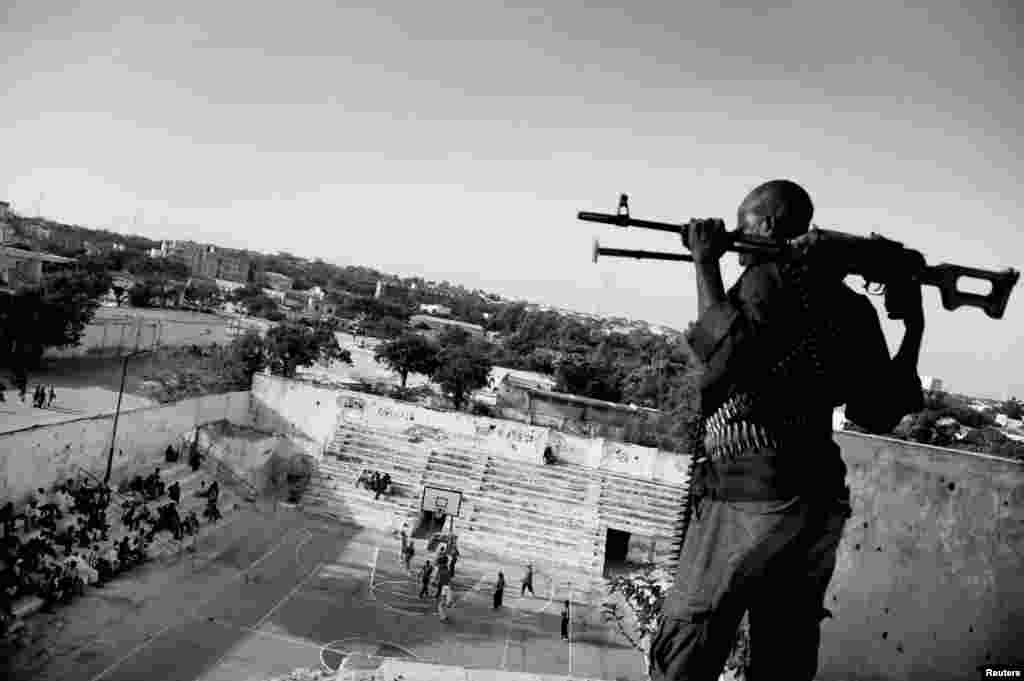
(190, 616)
(298, 548)
(373, 566)
(504, 653)
(288, 595)
(343, 651)
(231, 649)
(298, 642)
(551, 599)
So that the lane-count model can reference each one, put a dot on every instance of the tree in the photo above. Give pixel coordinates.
(383, 327)
(579, 375)
(634, 604)
(120, 295)
(289, 346)
(410, 353)
(462, 369)
(260, 305)
(1012, 408)
(202, 292)
(452, 336)
(52, 315)
(249, 353)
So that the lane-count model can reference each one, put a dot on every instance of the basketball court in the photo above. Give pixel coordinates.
(317, 594)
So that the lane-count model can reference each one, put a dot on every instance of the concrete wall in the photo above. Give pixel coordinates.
(261, 459)
(39, 456)
(296, 407)
(929, 581)
(114, 331)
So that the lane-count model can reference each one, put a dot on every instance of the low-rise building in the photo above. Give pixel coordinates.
(498, 377)
(278, 281)
(204, 260)
(436, 325)
(435, 309)
(19, 267)
(578, 415)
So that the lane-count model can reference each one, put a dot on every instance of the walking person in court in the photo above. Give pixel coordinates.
(528, 581)
(407, 554)
(443, 604)
(425, 574)
(499, 589)
(565, 621)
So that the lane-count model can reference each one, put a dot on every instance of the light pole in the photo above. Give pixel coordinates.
(117, 412)
(120, 395)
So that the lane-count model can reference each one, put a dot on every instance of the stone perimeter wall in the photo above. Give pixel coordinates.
(39, 456)
(928, 584)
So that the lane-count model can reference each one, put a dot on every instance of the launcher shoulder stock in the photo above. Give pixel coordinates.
(946, 278)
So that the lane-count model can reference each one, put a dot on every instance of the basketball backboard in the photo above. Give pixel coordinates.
(440, 500)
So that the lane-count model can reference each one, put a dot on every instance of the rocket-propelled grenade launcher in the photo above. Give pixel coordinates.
(877, 259)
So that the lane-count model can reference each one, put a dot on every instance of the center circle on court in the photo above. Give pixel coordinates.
(359, 653)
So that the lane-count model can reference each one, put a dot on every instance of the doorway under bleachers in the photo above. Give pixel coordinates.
(626, 552)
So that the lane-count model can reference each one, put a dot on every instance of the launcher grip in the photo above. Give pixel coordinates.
(946, 276)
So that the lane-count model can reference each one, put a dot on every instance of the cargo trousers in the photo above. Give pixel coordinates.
(771, 559)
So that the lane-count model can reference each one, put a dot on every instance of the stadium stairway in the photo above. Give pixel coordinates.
(556, 517)
(539, 514)
(355, 448)
(641, 507)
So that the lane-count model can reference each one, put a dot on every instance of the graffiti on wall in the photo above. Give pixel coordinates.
(420, 433)
(351, 402)
(395, 413)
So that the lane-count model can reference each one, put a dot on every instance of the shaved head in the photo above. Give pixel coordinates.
(787, 205)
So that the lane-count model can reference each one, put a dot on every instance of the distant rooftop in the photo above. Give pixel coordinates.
(33, 255)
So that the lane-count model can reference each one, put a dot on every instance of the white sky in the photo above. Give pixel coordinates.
(457, 140)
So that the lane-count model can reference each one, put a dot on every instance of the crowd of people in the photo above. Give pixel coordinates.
(438, 574)
(62, 541)
(42, 397)
(376, 482)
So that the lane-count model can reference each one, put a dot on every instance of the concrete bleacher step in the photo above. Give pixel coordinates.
(658, 492)
(529, 527)
(535, 476)
(643, 509)
(654, 509)
(509, 539)
(382, 455)
(624, 521)
(516, 510)
(510, 493)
